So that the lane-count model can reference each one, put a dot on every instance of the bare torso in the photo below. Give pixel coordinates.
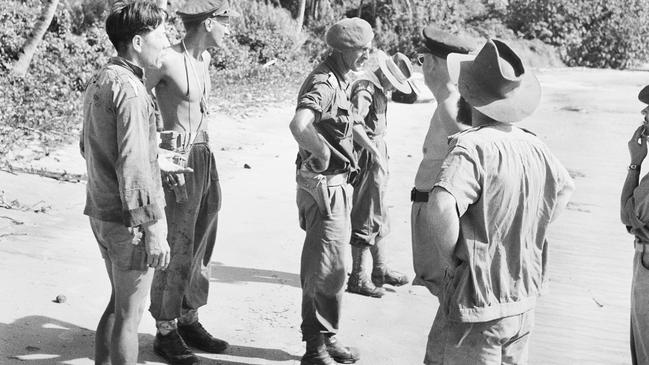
(182, 87)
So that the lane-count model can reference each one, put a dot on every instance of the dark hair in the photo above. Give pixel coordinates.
(130, 18)
(464, 114)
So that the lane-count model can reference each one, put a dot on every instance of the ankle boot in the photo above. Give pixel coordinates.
(316, 352)
(341, 353)
(359, 281)
(381, 273)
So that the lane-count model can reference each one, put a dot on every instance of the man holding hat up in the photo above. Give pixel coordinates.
(369, 213)
(432, 57)
(322, 127)
(634, 211)
(182, 87)
(491, 204)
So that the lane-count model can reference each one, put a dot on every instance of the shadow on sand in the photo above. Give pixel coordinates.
(231, 274)
(40, 340)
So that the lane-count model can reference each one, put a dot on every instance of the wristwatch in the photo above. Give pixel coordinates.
(634, 167)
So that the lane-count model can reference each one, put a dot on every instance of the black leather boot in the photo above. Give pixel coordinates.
(342, 354)
(196, 336)
(173, 349)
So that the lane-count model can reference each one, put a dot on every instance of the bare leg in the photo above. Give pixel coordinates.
(131, 289)
(105, 326)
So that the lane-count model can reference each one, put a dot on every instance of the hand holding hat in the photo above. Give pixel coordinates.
(397, 70)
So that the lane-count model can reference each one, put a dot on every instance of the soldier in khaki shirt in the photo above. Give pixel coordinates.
(322, 127)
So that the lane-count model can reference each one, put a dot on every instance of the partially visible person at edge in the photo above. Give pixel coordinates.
(370, 220)
(124, 198)
(491, 206)
(182, 88)
(634, 210)
(322, 127)
(444, 122)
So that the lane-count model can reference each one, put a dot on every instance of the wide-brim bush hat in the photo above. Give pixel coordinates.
(496, 82)
(350, 33)
(203, 9)
(441, 43)
(643, 96)
(396, 73)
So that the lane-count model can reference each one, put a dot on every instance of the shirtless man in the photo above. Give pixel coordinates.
(182, 87)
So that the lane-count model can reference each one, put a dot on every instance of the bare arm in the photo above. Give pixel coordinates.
(638, 151)
(432, 270)
(308, 138)
(445, 226)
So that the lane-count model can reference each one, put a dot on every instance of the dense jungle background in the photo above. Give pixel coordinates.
(50, 48)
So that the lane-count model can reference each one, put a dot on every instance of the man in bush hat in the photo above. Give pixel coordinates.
(182, 87)
(634, 211)
(491, 204)
(322, 127)
(432, 57)
(370, 224)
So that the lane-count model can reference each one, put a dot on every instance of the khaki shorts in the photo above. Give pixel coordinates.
(122, 245)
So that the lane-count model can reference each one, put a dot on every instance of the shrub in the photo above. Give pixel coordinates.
(594, 33)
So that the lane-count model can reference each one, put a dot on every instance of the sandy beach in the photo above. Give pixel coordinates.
(586, 117)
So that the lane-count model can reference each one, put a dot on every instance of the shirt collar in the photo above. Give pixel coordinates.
(121, 61)
(333, 65)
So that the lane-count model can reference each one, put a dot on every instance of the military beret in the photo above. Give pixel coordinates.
(643, 96)
(203, 9)
(350, 33)
(441, 43)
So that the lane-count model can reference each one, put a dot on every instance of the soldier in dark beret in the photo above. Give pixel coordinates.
(182, 87)
(322, 127)
(432, 57)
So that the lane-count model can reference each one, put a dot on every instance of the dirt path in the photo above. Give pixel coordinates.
(586, 117)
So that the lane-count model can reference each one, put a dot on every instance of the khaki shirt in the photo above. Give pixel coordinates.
(119, 144)
(506, 183)
(324, 92)
(367, 89)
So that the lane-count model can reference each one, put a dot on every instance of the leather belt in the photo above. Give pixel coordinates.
(332, 180)
(419, 196)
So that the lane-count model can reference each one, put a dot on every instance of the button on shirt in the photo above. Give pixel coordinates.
(119, 144)
(506, 184)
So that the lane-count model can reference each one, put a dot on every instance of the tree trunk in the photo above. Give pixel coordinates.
(300, 15)
(29, 48)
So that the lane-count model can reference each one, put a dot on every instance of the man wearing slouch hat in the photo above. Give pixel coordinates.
(182, 88)
(497, 192)
(370, 219)
(322, 127)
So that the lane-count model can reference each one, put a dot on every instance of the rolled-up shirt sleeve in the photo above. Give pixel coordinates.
(460, 175)
(318, 98)
(635, 213)
(133, 165)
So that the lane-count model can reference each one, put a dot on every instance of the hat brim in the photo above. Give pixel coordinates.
(516, 106)
(643, 96)
(402, 86)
